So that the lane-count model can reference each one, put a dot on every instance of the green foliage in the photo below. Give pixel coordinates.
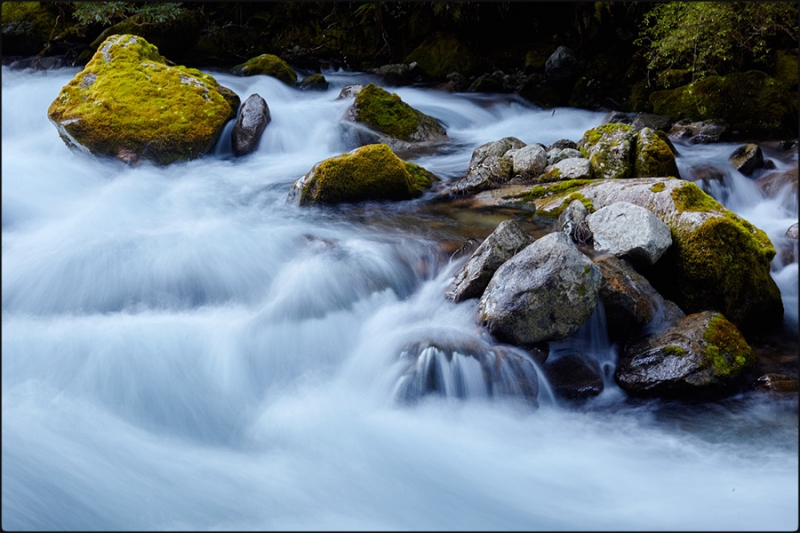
(108, 13)
(716, 37)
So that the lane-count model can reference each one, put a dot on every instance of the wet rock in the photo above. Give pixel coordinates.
(572, 221)
(503, 243)
(649, 120)
(704, 174)
(494, 148)
(704, 132)
(487, 83)
(777, 383)
(574, 377)
(617, 117)
(562, 64)
(775, 183)
(371, 172)
(464, 369)
(350, 91)
(529, 161)
(314, 82)
(554, 155)
(400, 73)
(628, 230)
(791, 233)
(631, 304)
(545, 292)
(489, 173)
(703, 356)
(456, 82)
(747, 159)
(250, 124)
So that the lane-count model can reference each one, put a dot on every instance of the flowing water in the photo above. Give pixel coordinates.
(182, 350)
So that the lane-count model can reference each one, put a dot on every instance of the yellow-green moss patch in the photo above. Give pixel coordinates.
(727, 352)
(385, 112)
(267, 65)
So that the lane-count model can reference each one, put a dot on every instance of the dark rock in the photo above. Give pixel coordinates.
(545, 292)
(704, 174)
(250, 124)
(315, 82)
(703, 356)
(574, 377)
(707, 131)
(503, 243)
(777, 383)
(747, 159)
(561, 65)
(456, 82)
(791, 233)
(563, 143)
(654, 122)
(487, 83)
(400, 73)
(617, 117)
(572, 221)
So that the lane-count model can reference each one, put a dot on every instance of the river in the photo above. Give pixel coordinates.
(183, 350)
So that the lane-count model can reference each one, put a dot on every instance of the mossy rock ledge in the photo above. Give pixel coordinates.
(130, 105)
(396, 123)
(372, 172)
(267, 65)
(718, 261)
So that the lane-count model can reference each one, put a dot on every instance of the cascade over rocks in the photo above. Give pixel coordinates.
(503, 243)
(717, 260)
(250, 124)
(574, 377)
(545, 292)
(627, 230)
(371, 172)
(630, 302)
(747, 159)
(129, 104)
(704, 355)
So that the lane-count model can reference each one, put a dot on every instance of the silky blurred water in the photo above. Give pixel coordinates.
(182, 350)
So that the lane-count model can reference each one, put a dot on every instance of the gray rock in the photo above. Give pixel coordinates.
(496, 148)
(572, 221)
(561, 65)
(747, 159)
(626, 229)
(561, 144)
(545, 292)
(503, 243)
(350, 91)
(707, 131)
(631, 304)
(491, 172)
(703, 356)
(250, 124)
(612, 153)
(554, 155)
(791, 233)
(617, 116)
(399, 73)
(649, 120)
(529, 161)
(574, 168)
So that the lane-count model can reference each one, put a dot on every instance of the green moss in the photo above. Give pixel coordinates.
(582, 289)
(315, 82)
(268, 65)
(595, 135)
(372, 172)
(654, 157)
(674, 350)
(550, 190)
(658, 187)
(690, 197)
(128, 100)
(727, 352)
(386, 112)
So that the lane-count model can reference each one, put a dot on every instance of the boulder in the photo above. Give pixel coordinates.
(654, 156)
(610, 149)
(717, 260)
(267, 65)
(617, 117)
(747, 159)
(399, 73)
(652, 121)
(503, 243)
(561, 65)
(631, 304)
(494, 148)
(774, 183)
(314, 82)
(128, 103)
(703, 132)
(371, 172)
(753, 103)
(574, 376)
(529, 161)
(703, 356)
(350, 91)
(791, 233)
(463, 369)
(489, 173)
(627, 230)
(545, 292)
(392, 118)
(561, 144)
(572, 221)
(779, 383)
(704, 174)
(574, 168)
(250, 124)
(554, 155)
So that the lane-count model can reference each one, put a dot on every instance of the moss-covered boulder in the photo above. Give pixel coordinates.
(718, 261)
(371, 172)
(617, 151)
(386, 113)
(654, 156)
(442, 54)
(129, 104)
(314, 82)
(752, 102)
(702, 356)
(267, 65)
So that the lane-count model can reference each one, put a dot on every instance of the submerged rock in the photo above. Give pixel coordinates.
(129, 104)
(267, 65)
(250, 124)
(703, 356)
(371, 172)
(545, 292)
(503, 243)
